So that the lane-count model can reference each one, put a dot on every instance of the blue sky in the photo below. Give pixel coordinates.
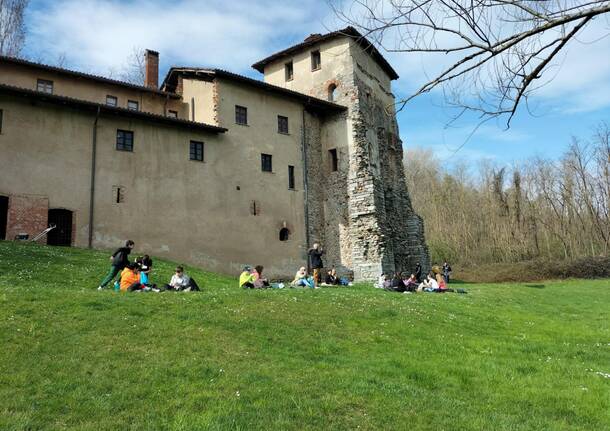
(97, 36)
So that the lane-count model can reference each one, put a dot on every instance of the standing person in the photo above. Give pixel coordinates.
(315, 260)
(418, 272)
(120, 259)
(446, 272)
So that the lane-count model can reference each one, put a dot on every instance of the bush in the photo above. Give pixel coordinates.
(533, 270)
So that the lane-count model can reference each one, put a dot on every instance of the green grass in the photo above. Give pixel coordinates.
(503, 357)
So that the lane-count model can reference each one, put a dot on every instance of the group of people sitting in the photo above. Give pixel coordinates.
(135, 276)
(400, 283)
(252, 278)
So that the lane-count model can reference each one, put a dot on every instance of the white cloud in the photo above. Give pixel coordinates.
(98, 35)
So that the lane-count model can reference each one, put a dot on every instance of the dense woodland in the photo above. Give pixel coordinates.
(537, 209)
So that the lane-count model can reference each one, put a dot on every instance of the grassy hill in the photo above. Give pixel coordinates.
(503, 357)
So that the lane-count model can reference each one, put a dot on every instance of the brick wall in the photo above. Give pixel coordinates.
(27, 214)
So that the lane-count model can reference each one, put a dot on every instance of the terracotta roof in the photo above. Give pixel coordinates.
(92, 106)
(314, 39)
(310, 101)
(82, 75)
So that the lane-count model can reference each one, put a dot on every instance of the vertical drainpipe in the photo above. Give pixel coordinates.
(92, 191)
(305, 183)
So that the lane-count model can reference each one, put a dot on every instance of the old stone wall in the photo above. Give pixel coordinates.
(361, 213)
(399, 240)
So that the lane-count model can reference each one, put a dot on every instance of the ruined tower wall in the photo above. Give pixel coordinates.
(361, 212)
(388, 231)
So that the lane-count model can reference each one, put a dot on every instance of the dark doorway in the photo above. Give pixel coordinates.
(62, 234)
(3, 216)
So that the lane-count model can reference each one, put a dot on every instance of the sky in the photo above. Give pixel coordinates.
(97, 36)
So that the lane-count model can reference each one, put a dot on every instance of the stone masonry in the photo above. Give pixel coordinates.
(362, 213)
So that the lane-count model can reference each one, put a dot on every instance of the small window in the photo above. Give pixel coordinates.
(289, 71)
(124, 140)
(332, 90)
(282, 124)
(45, 86)
(254, 208)
(112, 101)
(132, 105)
(316, 62)
(172, 114)
(284, 234)
(1, 112)
(196, 152)
(334, 161)
(291, 177)
(118, 194)
(266, 163)
(241, 115)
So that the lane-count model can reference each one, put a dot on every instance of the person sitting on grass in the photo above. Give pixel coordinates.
(428, 285)
(130, 278)
(120, 259)
(180, 282)
(331, 278)
(246, 278)
(145, 265)
(302, 280)
(442, 285)
(259, 282)
(396, 282)
(410, 283)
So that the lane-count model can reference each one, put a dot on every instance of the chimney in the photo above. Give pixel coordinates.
(151, 66)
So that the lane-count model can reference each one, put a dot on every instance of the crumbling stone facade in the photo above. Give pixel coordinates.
(362, 212)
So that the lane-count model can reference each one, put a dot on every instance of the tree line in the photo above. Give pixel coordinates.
(537, 209)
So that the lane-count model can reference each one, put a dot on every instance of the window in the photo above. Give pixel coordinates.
(118, 194)
(332, 90)
(132, 105)
(284, 234)
(316, 62)
(254, 208)
(124, 140)
(196, 151)
(266, 164)
(172, 114)
(282, 124)
(291, 177)
(289, 71)
(241, 115)
(112, 101)
(334, 161)
(44, 86)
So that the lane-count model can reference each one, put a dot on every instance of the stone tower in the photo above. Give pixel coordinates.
(357, 203)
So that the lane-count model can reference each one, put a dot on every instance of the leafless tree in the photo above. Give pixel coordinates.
(499, 51)
(12, 27)
(541, 208)
(134, 69)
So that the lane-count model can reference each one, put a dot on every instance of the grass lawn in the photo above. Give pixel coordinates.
(503, 357)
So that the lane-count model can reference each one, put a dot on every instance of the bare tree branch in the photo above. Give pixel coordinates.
(499, 48)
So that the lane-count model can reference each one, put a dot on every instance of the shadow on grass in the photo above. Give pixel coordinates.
(535, 286)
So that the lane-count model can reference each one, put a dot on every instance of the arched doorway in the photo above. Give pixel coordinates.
(62, 234)
(3, 216)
